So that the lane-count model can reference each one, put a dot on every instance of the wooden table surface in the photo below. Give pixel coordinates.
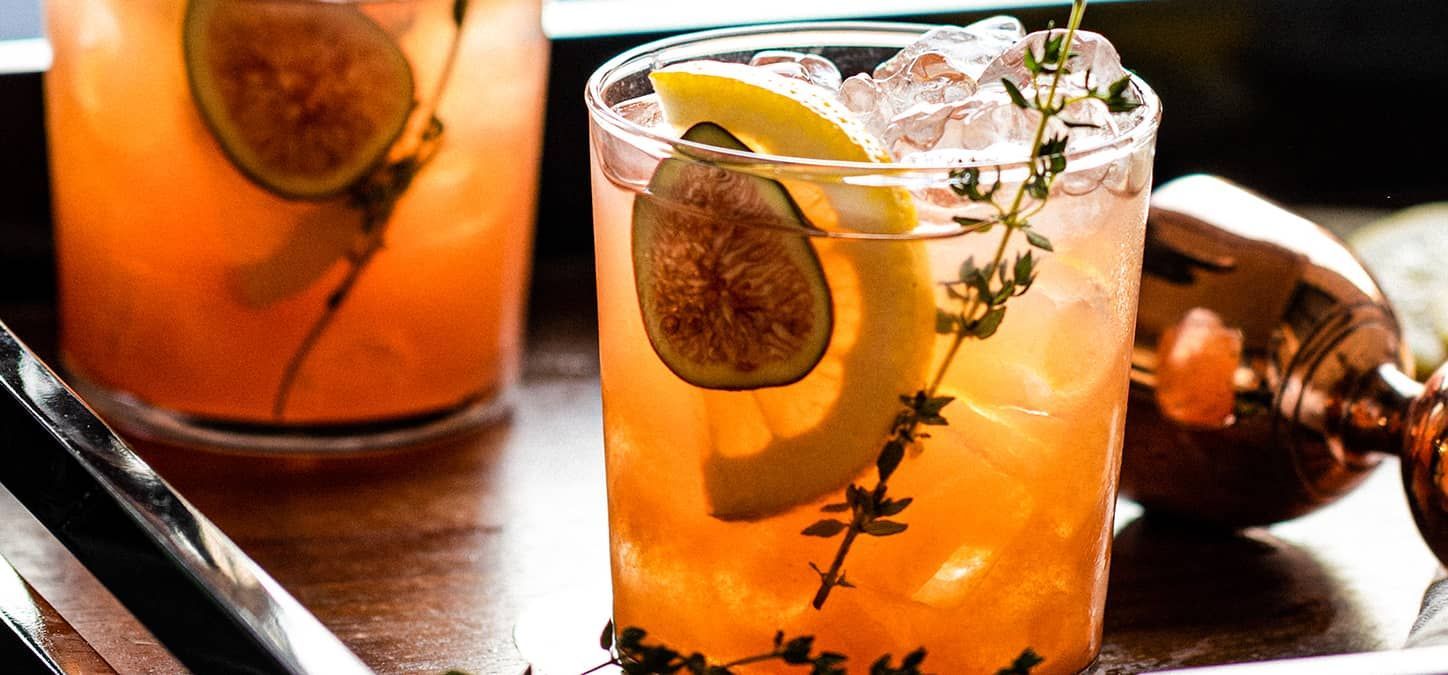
(428, 560)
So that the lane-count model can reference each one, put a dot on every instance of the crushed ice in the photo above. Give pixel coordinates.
(940, 100)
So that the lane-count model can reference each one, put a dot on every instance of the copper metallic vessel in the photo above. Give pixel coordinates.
(1269, 375)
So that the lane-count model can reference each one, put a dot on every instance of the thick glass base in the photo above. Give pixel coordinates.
(136, 417)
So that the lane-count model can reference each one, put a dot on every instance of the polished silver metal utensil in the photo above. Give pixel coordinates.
(24, 645)
(200, 595)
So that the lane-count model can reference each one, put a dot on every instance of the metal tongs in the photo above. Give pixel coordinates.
(213, 607)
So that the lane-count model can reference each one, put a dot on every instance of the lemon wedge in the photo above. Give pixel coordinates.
(776, 448)
(779, 448)
(778, 115)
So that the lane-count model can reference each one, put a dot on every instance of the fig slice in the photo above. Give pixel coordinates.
(731, 296)
(305, 98)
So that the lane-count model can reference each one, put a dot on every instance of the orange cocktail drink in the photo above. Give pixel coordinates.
(277, 217)
(864, 362)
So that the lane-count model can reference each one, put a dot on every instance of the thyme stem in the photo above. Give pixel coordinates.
(334, 303)
(393, 179)
(833, 577)
(935, 381)
(924, 407)
(601, 666)
(751, 659)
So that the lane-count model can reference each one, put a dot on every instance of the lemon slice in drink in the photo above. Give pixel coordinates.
(778, 115)
(776, 448)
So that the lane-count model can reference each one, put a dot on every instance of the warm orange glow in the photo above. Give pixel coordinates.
(183, 284)
(1010, 530)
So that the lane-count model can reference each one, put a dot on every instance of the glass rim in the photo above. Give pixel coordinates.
(816, 169)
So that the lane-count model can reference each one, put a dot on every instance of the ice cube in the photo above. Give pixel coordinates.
(989, 127)
(913, 93)
(918, 127)
(628, 164)
(929, 78)
(976, 466)
(862, 96)
(993, 126)
(904, 107)
(1093, 62)
(954, 579)
(643, 111)
(1056, 350)
(811, 68)
(968, 50)
(1047, 504)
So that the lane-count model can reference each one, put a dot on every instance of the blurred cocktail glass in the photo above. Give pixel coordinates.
(816, 420)
(294, 224)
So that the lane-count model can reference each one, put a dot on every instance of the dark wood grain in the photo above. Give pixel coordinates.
(425, 560)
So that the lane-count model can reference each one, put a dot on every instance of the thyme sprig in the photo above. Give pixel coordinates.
(635, 657)
(980, 294)
(375, 195)
(870, 509)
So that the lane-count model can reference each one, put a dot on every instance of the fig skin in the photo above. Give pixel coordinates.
(305, 99)
(764, 323)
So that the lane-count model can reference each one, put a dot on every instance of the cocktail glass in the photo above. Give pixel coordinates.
(730, 494)
(294, 225)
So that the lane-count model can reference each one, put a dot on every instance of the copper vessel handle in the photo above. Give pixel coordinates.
(1425, 475)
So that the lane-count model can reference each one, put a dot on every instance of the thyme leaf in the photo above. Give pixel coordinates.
(634, 656)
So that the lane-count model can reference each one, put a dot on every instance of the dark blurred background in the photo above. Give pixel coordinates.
(1325, 102)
